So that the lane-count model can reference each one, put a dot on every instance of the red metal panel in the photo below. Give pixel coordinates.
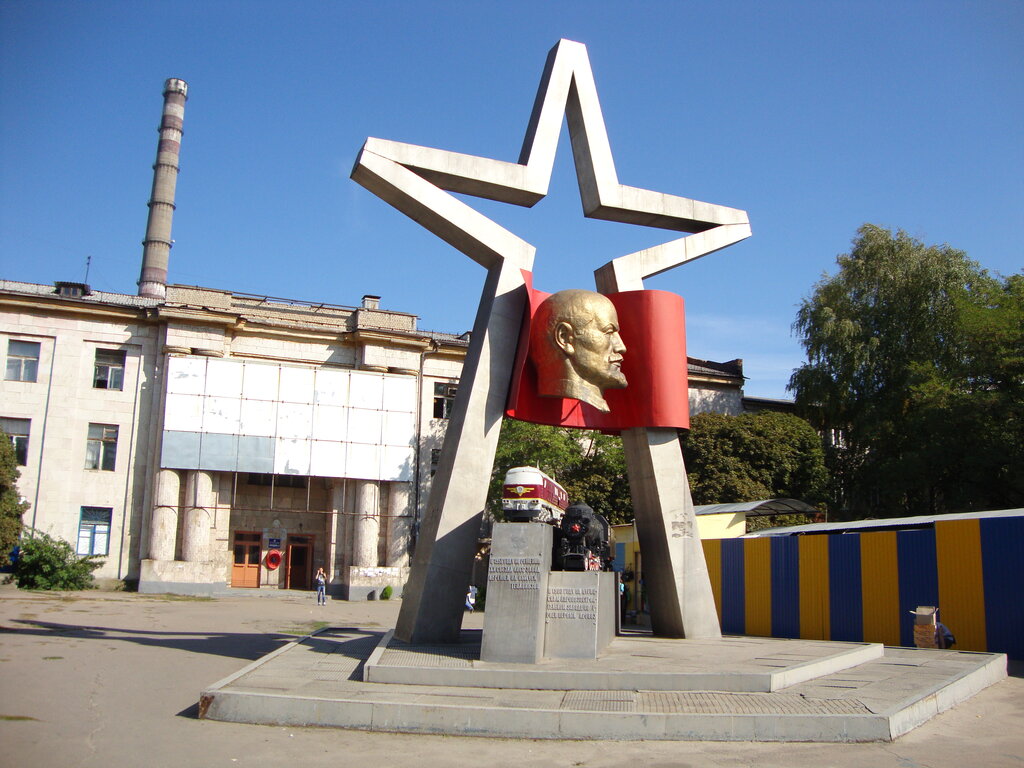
(654, 333)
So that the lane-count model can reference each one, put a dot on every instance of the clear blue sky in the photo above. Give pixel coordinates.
(815, 117)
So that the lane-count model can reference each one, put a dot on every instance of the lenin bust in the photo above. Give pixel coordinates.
(575, 344)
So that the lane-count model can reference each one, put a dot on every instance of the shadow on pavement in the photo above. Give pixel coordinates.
(238, 645)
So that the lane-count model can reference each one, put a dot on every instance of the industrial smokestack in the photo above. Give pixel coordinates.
(156, 248)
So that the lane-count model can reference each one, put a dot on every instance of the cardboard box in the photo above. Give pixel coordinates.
(925, 626)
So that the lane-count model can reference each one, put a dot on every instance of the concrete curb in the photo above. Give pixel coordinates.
(918, 709)
(207, 695)
(411, 717)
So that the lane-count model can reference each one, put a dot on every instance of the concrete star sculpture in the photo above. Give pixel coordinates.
(417, 181)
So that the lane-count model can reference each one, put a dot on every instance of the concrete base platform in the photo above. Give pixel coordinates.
(632, 662)
(781, 690)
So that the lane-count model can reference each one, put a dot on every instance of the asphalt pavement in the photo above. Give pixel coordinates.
(112, 679)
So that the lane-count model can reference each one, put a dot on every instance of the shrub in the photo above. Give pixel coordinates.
(385, 594)
(49, 563)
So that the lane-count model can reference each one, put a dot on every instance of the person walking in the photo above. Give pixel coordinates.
(321, 587)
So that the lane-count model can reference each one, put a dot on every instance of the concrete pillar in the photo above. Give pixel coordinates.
(433, 600)
(163, 529)
(195, 540)
(400, 516)
(335, 553)
(675, 572)
(367, 527)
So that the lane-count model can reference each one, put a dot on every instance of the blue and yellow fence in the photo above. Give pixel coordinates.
(862, 586)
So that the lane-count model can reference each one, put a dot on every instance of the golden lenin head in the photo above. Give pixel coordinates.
(575, 344)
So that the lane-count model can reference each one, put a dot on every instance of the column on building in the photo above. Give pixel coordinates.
(163, 529)
(335, 554)
(195, 540)
(367, 524)
(400, 512)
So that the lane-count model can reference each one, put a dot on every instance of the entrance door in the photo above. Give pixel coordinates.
(245, 568)
(300, 561)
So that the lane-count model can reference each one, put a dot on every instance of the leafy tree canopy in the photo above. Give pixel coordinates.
(11, 505)
(754, 456)
(729, 458)
(589, 465)
(914, 374)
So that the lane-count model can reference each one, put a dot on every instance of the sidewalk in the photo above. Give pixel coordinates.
(113, 679)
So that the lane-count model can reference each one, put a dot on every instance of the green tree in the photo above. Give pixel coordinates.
(599, 477)
(589, 465)
(754, 456)
(970, 415)
(913, 376)
(11, 505)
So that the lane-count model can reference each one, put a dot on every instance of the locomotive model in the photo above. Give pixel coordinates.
(582, 538)
(585, 543)
(530, 496)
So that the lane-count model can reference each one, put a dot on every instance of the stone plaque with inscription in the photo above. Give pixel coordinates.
(579, 616)
(517, 584)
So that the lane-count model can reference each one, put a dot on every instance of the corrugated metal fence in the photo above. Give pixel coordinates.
(862, 586)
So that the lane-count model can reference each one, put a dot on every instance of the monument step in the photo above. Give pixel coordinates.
(631, 662)
(319, 680)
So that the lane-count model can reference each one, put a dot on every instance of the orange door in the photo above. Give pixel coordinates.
(245, 567)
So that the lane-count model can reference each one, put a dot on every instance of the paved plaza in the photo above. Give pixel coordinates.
(113, 679)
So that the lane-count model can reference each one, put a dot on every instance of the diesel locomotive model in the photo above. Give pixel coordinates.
(582, 538)
(530, 496)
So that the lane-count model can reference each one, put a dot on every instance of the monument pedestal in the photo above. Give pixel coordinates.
(534, 612)
(517, 583)
(579, 621)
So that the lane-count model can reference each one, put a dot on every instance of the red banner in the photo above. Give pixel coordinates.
(652, 327)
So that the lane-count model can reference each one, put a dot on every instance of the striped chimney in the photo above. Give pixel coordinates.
(156, 248)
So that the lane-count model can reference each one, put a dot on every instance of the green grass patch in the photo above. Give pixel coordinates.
(16, 718)
(304, 628)
(52, 658)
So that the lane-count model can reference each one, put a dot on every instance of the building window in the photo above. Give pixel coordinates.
(17, 432)
(101, 447)
(435, 459)
(22, 360)
(109, 370)
(444, 396)
(278, 481)
(94, 531)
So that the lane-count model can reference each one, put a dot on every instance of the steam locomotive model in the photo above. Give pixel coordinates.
(582, 538)
(585, 543)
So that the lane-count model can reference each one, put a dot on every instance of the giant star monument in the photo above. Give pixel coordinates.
(417, 181)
